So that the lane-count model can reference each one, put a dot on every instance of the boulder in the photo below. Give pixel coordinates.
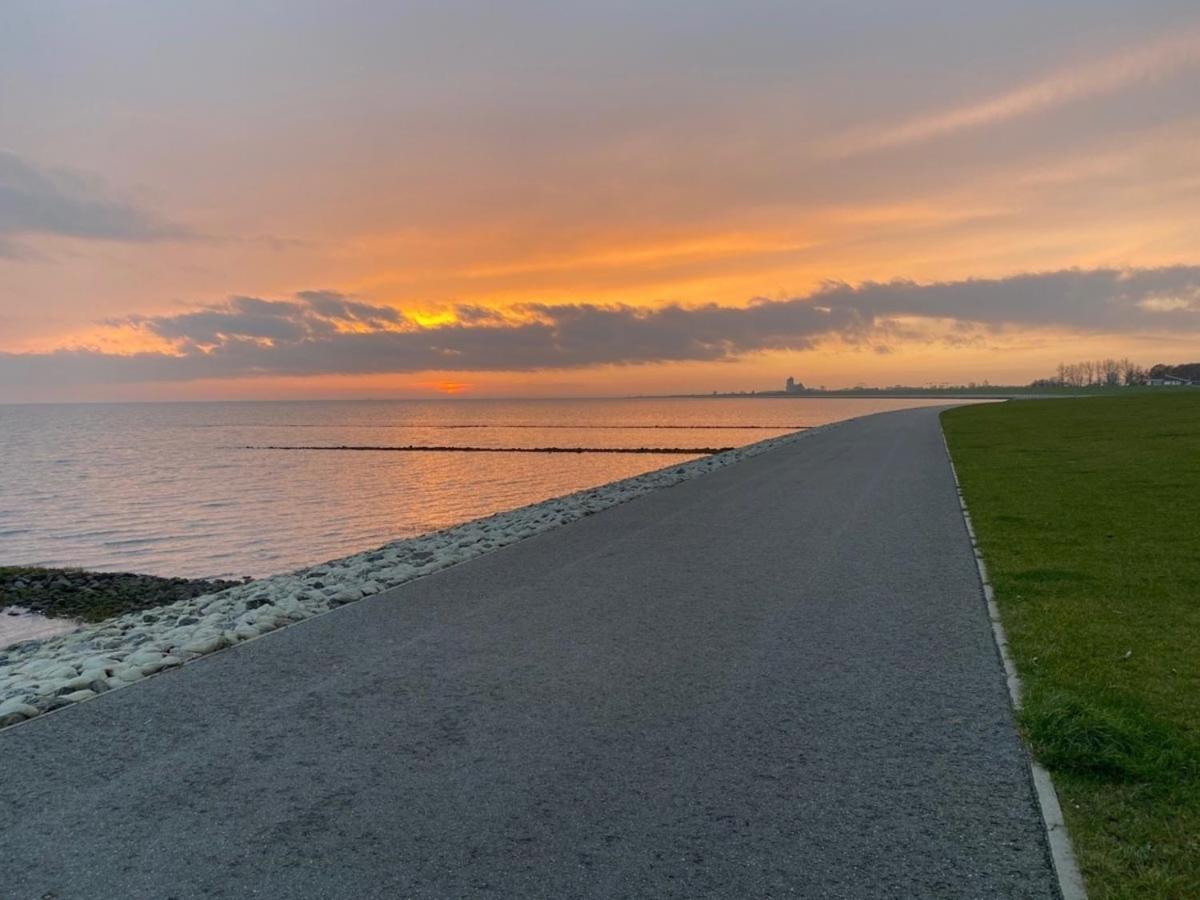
(144, 657)
(16, 710)
(205, 642)
(347, 595)
(60, 672)
(159, 664)
(80, 682)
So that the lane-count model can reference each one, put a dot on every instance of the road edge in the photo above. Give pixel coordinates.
(1062, 853)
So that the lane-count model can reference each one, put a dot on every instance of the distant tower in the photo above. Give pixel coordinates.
(791, 385)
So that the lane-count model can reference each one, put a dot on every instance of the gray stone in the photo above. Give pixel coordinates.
(205, 642)
(79, 682)
(347, 595)
(16, 710)
(129, 674)
(144, 657)
(159, 664)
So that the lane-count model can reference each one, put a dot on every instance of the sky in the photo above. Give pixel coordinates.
(286, 198)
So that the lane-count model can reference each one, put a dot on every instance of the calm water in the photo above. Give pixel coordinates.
(172, 489)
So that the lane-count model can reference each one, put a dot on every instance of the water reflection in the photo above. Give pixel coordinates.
(169, 488)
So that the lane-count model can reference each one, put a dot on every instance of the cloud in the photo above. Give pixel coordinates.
(1145, 63)
(35, 200)
(313, 316)
(324, 332)
(333, 305)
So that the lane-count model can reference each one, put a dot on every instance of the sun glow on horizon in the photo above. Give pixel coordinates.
(559, 210)
(451, 388)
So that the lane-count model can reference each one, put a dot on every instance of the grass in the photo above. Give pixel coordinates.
(1088, 516)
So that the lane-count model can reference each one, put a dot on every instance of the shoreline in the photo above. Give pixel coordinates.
(84, 595)
(722, 642)
(41, 676)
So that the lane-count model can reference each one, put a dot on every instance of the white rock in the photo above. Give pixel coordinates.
(16, 710)
(14, 705)
(128, 674)
(204, 642)
(37, 666)
(99, 662)
(159, 664)
(80, 682)
(144, 657)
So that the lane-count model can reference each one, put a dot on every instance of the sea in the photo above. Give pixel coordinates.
(203, 490)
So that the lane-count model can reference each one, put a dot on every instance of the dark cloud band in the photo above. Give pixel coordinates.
(324, 332)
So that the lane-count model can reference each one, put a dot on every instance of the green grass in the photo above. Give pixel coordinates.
(993, 391)
(1088, 516)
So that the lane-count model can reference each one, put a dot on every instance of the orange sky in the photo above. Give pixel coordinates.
(442, 163)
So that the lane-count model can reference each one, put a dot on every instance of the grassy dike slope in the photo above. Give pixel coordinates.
(1088, 515)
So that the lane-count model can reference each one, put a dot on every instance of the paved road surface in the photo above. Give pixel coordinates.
(776, 680)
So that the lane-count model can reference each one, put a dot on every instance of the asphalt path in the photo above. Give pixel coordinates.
(775, 680)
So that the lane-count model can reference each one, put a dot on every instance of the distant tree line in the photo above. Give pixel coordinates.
(1188, 371)
(1096, 372)
(1112, 372)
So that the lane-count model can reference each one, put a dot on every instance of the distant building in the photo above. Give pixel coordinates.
(1174, 376)
(792, 386)
(1164, 379)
